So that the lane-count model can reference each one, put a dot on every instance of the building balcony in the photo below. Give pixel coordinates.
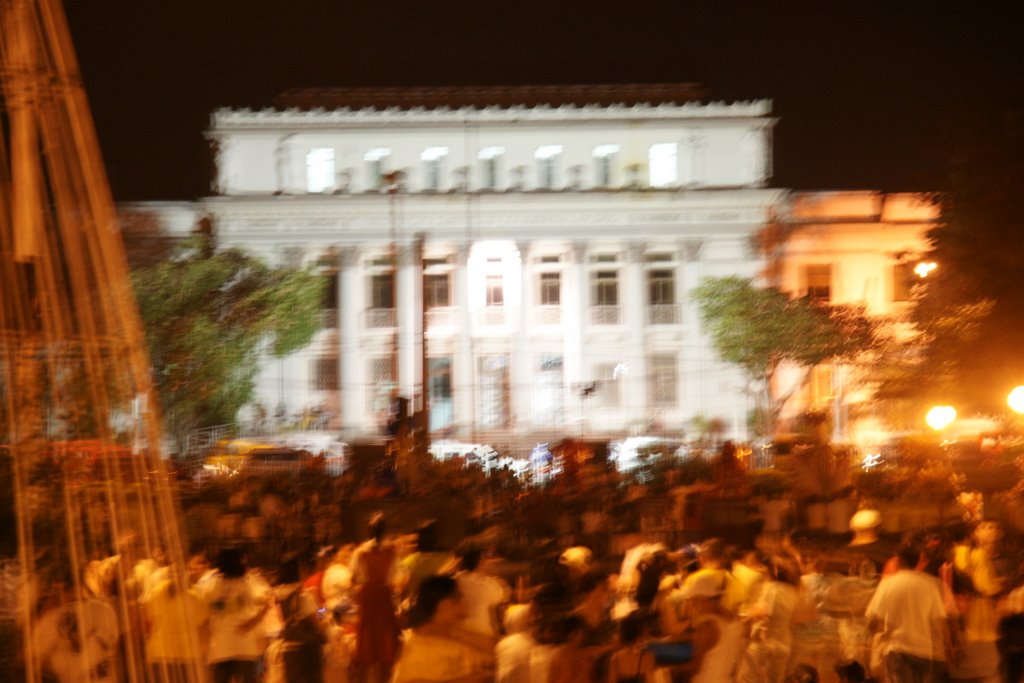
(491, 316)
(663, 314)
(547, 315)
(604, 315)
(380, 318)
(442, 316)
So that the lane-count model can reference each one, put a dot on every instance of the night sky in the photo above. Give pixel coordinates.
(866, 94)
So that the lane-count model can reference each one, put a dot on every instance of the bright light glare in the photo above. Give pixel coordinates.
(1016, 399)
(940, 417)
(663, 164)
(925, 268)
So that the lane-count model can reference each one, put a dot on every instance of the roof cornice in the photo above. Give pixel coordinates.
(316, 119)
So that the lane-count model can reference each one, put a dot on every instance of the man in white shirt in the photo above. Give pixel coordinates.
(907, 610)
(483, 595)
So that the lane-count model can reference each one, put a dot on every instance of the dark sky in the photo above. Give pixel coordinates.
(864, 91)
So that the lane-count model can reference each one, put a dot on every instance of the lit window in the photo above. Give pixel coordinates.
(436, 291)
(663, 379)
(489, 157)
(550, 289)
(820, 383)
(606, 288)
(432, 158)
(819, 282)
(320, 169)
(604, 157)
(382, 291)
(375, 170)
(663, 164)
(661, 287)
(547, 157)
(495, 291)
(439, 387)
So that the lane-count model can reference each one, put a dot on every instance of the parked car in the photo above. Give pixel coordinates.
(280, 461)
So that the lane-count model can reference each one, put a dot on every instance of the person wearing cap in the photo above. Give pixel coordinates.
(718, 637)
(867, 542)
(713, 562)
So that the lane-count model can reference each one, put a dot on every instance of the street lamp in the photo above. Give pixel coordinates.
(940, 417)
(1016, 399)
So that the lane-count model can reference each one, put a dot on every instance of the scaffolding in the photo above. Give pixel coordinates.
(79, 427)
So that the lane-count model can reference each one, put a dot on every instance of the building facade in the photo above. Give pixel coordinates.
(521, 259)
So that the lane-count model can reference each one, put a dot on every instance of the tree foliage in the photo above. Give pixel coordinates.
(208, 315)
(760, 329)
(971, 311)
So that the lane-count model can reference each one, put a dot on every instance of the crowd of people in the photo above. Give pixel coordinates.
(936, 606)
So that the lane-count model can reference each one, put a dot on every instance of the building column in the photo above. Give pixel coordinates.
(463, 368)
(575, 311)
(522, 370)
(353, 370)
(407, 312)
(634, 315)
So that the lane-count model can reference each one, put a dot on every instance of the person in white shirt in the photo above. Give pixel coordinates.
(484, 596)
(512, 653)
(907, 610)
(337, 579)
(237, 602)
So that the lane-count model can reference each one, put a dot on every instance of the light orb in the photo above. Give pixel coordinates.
(1016, 399)
(940, 417)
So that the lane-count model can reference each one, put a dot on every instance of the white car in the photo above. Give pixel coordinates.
(472, 453)
(625, 454)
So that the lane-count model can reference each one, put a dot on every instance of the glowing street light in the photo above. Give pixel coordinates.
(940, 417)
(925, 268)
(1016, 399)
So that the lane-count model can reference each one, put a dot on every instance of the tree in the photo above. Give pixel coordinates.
(760, 329)
(208, 315)
(970, 311)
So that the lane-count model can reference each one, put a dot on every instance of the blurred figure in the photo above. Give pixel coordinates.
(337, 578)
(631, 663)
(571, 663)
(377, 632)
(771, 632)
(907, 611)
(236, 601)
(299, 648)
(851, 671)
(428, 560)
(173, 617)
(714, 564)
(803, 673)
(512, 653)
(77, 640)
(485, 596)
(717, 635)
(979, 566)
(436, 649)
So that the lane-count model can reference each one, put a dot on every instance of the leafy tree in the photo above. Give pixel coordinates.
(208, 315)
(971, 310)
(760, 329)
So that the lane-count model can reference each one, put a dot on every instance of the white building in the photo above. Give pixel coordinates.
(563, 231)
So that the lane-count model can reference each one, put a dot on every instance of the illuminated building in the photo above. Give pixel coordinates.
(563, 231)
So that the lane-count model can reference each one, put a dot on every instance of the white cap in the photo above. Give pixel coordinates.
(865, 519)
